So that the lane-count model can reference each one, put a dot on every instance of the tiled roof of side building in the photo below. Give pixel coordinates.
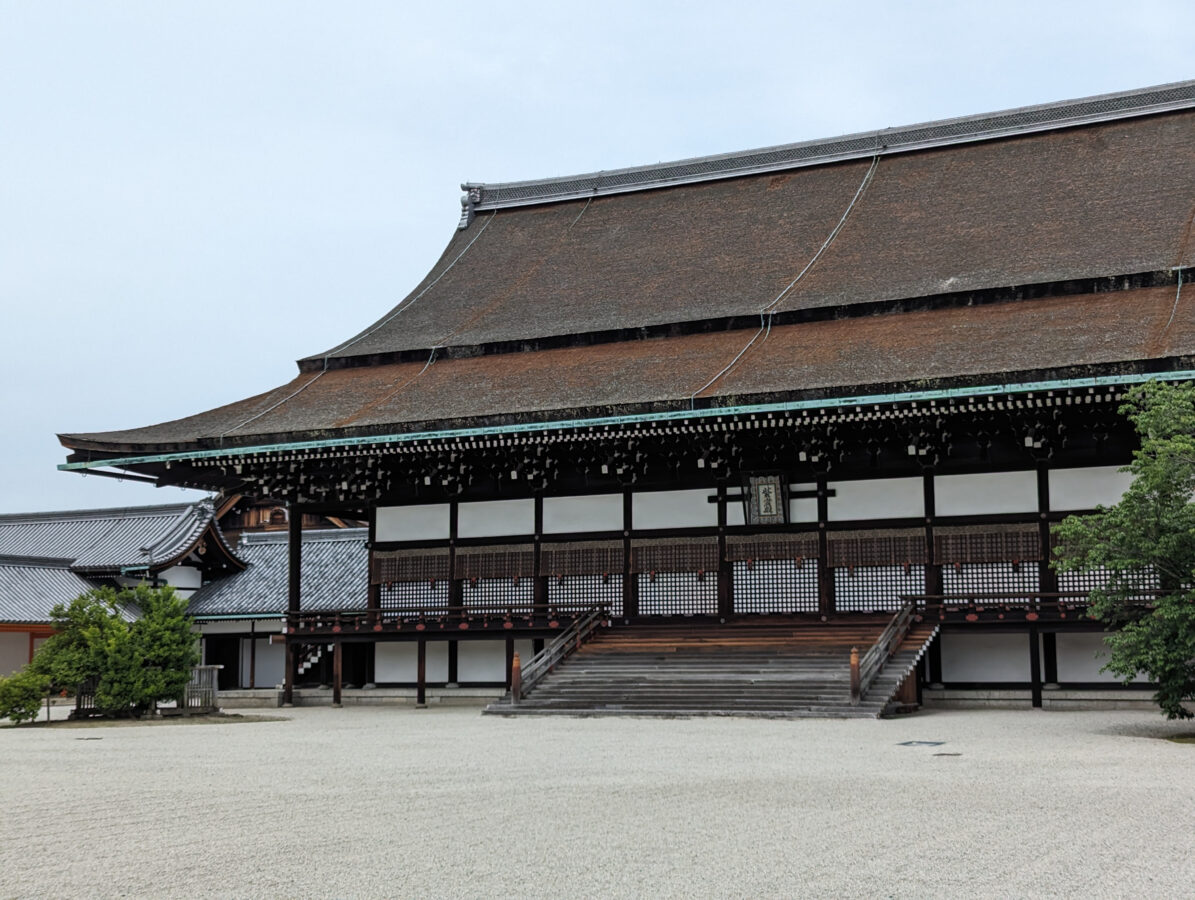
(31, 586)
(108, 540)
(335, 575)
(979, 344)
(1067, 202)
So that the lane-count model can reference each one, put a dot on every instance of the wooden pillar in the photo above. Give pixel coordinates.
(252, 654)
(933, 661)
(293, 600)
(1047, 579)
(539, 597)
(1049, 652)
(933, 568)
(537, 645)
(725, 567)
(510, 659)
(373, 597)
(630, 583)
(1034, 666)
(288, 674)
(456, 588)
(337, 671)
(825, 574)
(421, 675)
(453, 657)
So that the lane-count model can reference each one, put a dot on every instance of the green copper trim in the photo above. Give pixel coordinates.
(669, 416)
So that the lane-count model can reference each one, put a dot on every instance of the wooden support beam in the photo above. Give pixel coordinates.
(337, 671)
(252, 654)
(725, 567)
(1047, 579)
(630, 583)
(933, 569)
(421, 675)
(1035, 666)
(825, 574)
(453, 662)
(295, 558)
(1049, 652)
(510, 660)
(288, 675)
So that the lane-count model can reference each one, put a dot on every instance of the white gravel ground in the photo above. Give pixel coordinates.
(387, 802)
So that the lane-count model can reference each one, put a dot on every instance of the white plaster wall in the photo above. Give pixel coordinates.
(878, 498)
(802, 509)
(674, 509)
(400, 662)
(186, 579)
(495, 518)
(412, 523)
(602, 512)
(270, 665)
(985, 657)
(14, 651)
(985, 492)
(482, 660)
(240, 626)
(37, 642)
(1087, 488)
(1080, 657)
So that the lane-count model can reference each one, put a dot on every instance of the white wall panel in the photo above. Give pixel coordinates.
(986, 492)
(1087, 488)
(985, 657)
(482, 660)
(601, 512)
(241, 626)
(412, 523)
(185, 578)
(877, 498)
(495, 518)
(269, 667)
(802, 509)
(400, 662)
(1081, 656)
(14, 651)
(674, 509)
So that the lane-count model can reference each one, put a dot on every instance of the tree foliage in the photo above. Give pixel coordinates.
(21, 695)
(1145, 544)
(136, 644)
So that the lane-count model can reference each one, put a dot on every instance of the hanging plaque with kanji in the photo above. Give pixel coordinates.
(767, 503)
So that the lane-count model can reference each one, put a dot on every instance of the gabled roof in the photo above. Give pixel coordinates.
(335, 575)
(31, 586)
(109, 541)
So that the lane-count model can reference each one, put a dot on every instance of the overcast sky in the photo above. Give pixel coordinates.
(194, 195)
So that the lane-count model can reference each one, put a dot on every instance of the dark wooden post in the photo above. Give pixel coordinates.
(1049, 652)
(825, 574)
(1034, 667)
(293, 602)
(252, 654)
(421, 675)
(725, 567)
(1047, 578)
(337, 671)
(510, 661)
(373, 597)
(630, 583)
(539, 584)
(456, 587)
(453, 661)
(856, 680)
(933, 568)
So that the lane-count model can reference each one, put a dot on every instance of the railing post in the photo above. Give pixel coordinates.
(854, 676)
(516, 679)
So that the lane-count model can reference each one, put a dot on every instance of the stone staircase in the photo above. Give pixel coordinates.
(778, 667)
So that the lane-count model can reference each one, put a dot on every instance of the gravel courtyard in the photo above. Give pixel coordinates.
(376, 802)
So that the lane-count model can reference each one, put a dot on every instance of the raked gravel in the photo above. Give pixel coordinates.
(443, 802)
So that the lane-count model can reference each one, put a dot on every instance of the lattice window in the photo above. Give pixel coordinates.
(407, 594)
(775, 586)
(674, 556)
(874, 588)
(408, 565)
(1098, 578)
(988, 544)
(577, 593)
(678, 594)
(961, 580)
(495, 595)
(878, 548)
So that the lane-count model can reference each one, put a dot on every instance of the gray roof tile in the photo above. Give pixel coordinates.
(29, 587)
(335, 575)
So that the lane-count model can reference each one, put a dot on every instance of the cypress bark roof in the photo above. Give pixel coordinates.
(965, 262)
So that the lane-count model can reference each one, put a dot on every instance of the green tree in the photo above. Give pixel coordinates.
(136, 644)
(1145, 543)
(21, 696)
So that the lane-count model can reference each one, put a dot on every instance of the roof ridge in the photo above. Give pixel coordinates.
(46, 562)
(481, 197)
(102, 513)
(317, 534)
